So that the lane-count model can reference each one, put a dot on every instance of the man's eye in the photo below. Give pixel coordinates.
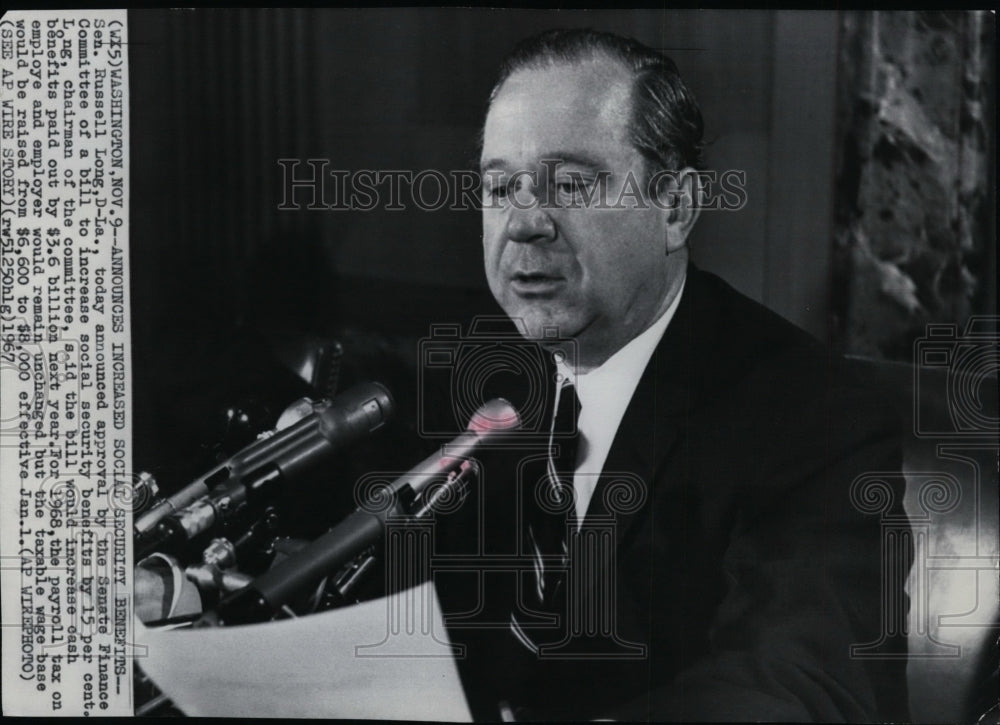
(571, 187)
(497, 191)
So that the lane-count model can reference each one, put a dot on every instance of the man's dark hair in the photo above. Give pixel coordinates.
(665, 126)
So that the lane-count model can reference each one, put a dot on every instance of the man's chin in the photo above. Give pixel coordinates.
(542, 327)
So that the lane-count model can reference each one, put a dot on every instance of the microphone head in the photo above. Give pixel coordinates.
(494, 416)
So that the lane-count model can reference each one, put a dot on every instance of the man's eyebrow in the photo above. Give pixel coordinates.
(556, 157)
(574, 159)
(492, 164)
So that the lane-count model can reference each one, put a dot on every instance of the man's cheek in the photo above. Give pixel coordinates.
(493, 248)
(491, 265)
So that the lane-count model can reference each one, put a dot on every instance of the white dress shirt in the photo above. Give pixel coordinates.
(604, 394)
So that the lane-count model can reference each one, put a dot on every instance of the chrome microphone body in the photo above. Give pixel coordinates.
(265, 464)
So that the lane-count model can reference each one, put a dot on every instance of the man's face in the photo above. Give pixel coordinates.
(599, 275)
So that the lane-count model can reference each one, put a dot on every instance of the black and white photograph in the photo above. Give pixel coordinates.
(455, 364)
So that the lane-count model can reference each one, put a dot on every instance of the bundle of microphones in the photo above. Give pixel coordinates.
(307, 435)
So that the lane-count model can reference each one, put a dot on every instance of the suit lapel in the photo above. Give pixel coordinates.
(657, 414)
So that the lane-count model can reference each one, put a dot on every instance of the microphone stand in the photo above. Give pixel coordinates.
(347, 549)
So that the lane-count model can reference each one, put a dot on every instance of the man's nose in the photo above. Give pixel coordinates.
(528, 221)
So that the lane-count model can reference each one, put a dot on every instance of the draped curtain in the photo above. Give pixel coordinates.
(914, 222)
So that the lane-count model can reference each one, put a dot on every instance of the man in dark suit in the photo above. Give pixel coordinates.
(711, 559)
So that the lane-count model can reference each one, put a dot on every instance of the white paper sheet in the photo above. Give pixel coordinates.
(384, 659)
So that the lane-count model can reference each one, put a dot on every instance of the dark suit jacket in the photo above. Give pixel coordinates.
(746, 574)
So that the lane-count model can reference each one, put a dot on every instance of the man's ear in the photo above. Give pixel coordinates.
(679, 193)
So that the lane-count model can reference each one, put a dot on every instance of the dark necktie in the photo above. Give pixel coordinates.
(549, 511)
(552, 511)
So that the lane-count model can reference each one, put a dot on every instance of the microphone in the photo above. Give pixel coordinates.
(363, 529)
(266, 463)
